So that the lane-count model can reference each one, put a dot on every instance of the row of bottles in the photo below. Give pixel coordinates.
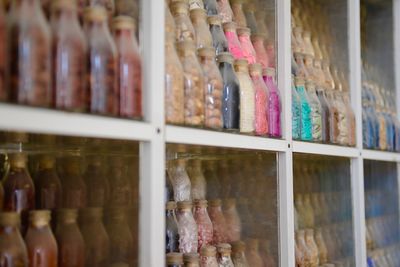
(234, 215)
(220, 71)
(321, 108)
(53, 60)
(323, 216)
(382, 215)
(68, 189)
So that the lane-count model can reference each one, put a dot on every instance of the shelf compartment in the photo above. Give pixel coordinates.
(46, 121)
(324, 149)
(193, 136)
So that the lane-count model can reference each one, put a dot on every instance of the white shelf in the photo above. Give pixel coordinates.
(46, 121)
(323, 149)
(380, 155)
(193, 136)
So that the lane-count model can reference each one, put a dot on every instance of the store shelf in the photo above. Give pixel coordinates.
(322, 149)
(380, 155)
(192, 136)
(39, 120)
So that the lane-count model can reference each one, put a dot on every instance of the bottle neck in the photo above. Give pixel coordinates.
(65, 15)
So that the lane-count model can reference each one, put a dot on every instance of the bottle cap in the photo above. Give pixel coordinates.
(198, 13)
(67, 215)
(206, 52)
(123, 23)
(214, 203)
(95, 13)
(39, 217)
(171, 205)
(46, 162)
(243, 31)
(224, 248)
(310, 84)
(310, 232)
(72, 164)
(179, 7)
(200, 203)
(299, 81)
(116, 213)
(270, 72)
(208, 251)
(185, 205)
(175, 258)
(238, 246)
(18, 159)
(63, 4)
(229, 203)
(225, 57)
(9, 219)
(91, 213)
(241, 65)
(214, 20)
(255, 68)
(191, 258)
(229, 26)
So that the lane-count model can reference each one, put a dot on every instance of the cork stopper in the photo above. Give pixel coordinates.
(241, 65)
(200, 203)
(67, 215)
(179, 7)
(171, 205)
(214, 20)
(225, 57)
(174, 258)
(208, 52)
(258, 37)
(198, 14)
(9, 219)
(255, 69)
(243, 31)
(185, 205)
(229, 26)
(309, 232)
(299, 233)
(310, 84)
(270, 72)
(95, 14)
(116, 213)
(39, 218)
(91, 213)
(229, 203)
(214, 203)
(238, 246)
(208, 251)
(46, 162)
(18, 160)
(298, 56)
(187, 45)
(299, 81)
(224, 248)
(59, 5)
(191, 258)
(123, 23)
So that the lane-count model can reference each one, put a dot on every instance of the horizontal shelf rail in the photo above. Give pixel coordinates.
(380, 155)
(323, 149)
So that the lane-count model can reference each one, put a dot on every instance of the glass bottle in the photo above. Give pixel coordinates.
(270, 49)
(274, 103)
(97, 242)
(47, 184)
(174, 259)
(204, 224)
(208, 257)
(323, 252)
(69, 58)
(261, 101)
(214, 88)
(350, 119)
(120, 191)
(382, 129)
(230, 93)
(71, 247)
(3, 55)
(298, 35)
(247, 47)
(121, 242)
(103, 82)
(211, 7)
(73, 185)
(109, 5)
(296, 112)
(334, 116)
(309, 49)
(29, 49)
(266, 255)
(247, 97)
(184, 29)
(218, 221)
(301, 244)
(225, 10)
(19, 190)
(174, 84)
(238, 15)
(343, 123)
(238, 254)
(251, 21)
(197, 180)
(325, 115)
(172, 234)
(169, 20)
(312, 247)
(129, 67)
(306, 126)
(252, 253)
(201, 28)
(261, 54)
(224, 255)
(188, 233)
(180, 180)
(40, 241)
(234, 45)
(191, 260)
(220, 43)
(232, 219)
(98, 188)
(193, 84)
(261, 15)
(301, 69)
(13, 251)
(316, 110)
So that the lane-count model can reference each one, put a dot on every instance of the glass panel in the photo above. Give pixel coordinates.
(79, 195)
(381, 127)
(382, 213)
(321, 102)
(323, 211)
(218, 196)
(220, 66)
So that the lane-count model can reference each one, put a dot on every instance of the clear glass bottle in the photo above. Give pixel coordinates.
(261, 101)
(325, 115)
(71, 247)
(13, 251)
(40, 241)
(213, 183)
(261, 54)
(191, 260)
(69, 58)
(129, 67)
(225, 10)
(201, 28)
(247, 47)
(171, 231)
(270, 50)
(238, 15)
(350, 119)
(301, 244)
(211, 7)
(30, 69)
(323, 252)
(305, 119)
(247, 97)
(218, 221)
(296, 112)
(234, 45)
(220, 43)
(251, 21)
(184, 29)
(252, 253)
(73, 185)
(224, 255)
(174, 259)
(193, 84)
(298, 35)
(334, 116)
(214, 88)
(316, 110)
(97, 185)
(230, 93)
(174, 84)
(188, 233)
(197, 180)
(232, 219)
(180, 180)
(208, 257)
(97, 242)
(120, 191)
(238, 254)
(274, 103)
(103, 82)
(301, 69)
(204, 224)
(310, 242)
(309, 49)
